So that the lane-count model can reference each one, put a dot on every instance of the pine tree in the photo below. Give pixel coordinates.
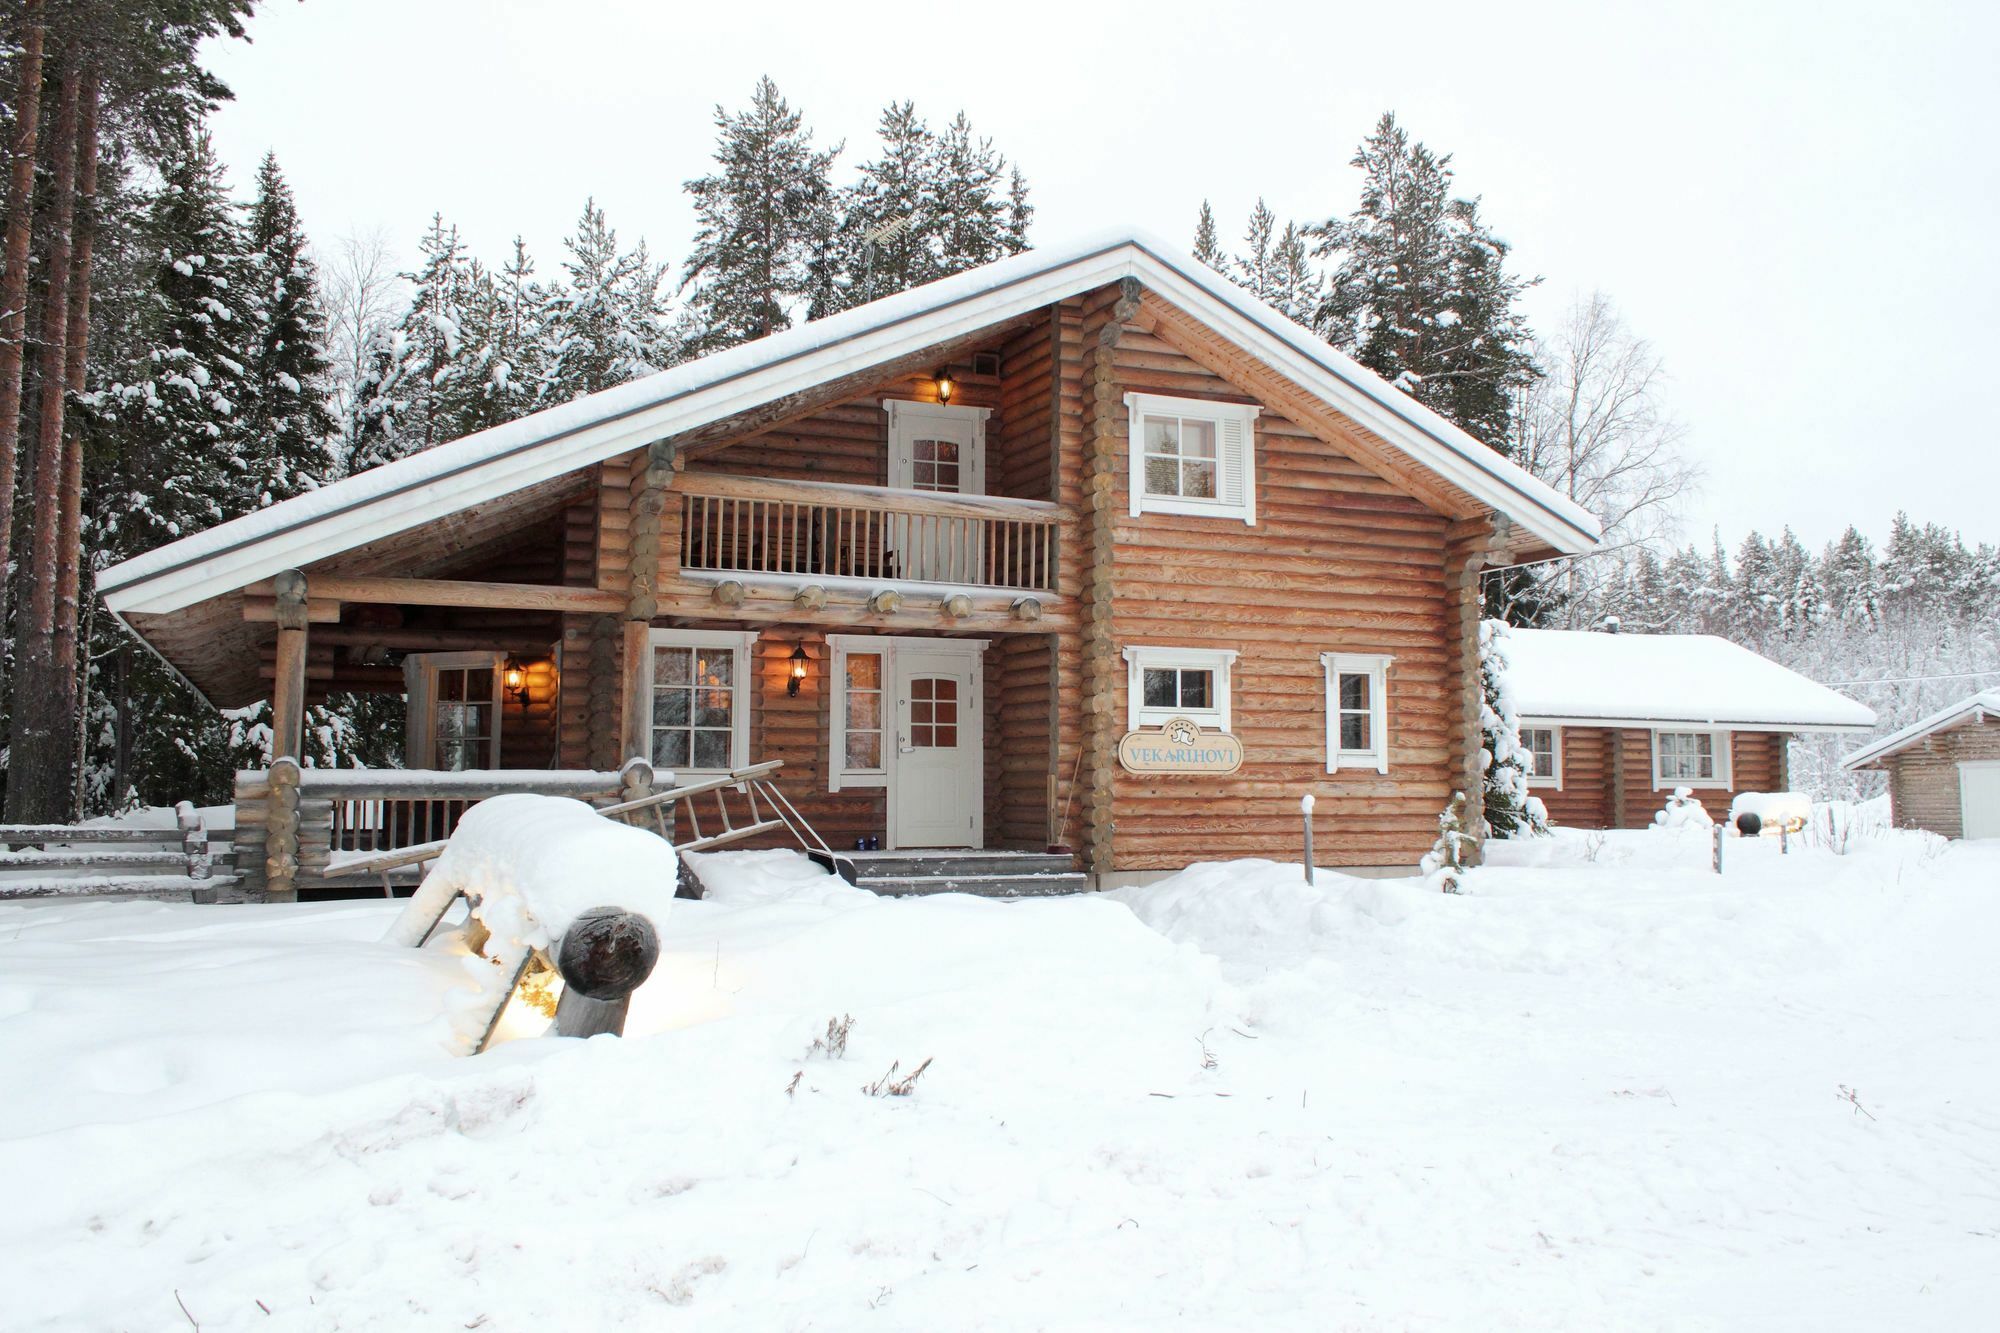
(1207, 245)
(1296, 289)
(972, 216)
(606, 323)
(1255, 267)
(1420, 293)
(424, 388)
(1020, 213)
(286, 420)
(173, 415)
(761, 220)
(887, 238)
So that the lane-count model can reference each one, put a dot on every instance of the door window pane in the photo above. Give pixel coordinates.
(862, 702)
(933, 713)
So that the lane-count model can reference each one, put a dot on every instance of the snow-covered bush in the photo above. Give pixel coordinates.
(1444, 864)
(1509, 809)
(1682, 810)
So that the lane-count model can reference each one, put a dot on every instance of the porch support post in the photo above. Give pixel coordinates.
(650, 483)
(288, 690)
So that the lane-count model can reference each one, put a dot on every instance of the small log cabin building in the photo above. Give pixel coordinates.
(938, 554)
(1616, 722)
(1944, 771)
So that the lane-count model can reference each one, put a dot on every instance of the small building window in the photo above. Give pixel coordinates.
(701, 700)
(856, 735)
(1690, 759)
(1357, 710)
(1192, 456)
(1165, 683)
(1544, 752)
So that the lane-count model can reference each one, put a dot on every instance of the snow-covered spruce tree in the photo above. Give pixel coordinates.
(286, 420)
(423, 387)
(1020, 212)
(1207, 244)
(1445, 864)
(606, 322)
(1510, 810)
(762, 219)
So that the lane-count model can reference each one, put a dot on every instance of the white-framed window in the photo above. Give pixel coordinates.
(1192, 456)
(857, 731)
(1544, 754)
(1690, 759)
(1357, 710)
(699, 680)
(1165, 683)
(454, 710)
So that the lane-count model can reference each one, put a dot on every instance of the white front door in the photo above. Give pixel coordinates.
(1979, 798)
(937, 795)
(941, 450)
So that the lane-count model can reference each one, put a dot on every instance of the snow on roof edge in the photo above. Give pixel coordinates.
(1985, 701)
(598, 415)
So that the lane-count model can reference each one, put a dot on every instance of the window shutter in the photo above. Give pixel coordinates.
(1237, 482)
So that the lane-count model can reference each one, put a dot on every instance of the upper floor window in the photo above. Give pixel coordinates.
(1690, 759)
(1357, 710)
(1191, 456)
(1165, 683)
(1543, 747)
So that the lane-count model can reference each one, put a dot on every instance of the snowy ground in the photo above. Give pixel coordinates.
(1601, 1090)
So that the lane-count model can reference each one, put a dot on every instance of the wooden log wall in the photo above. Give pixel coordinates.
(1340, 559)
(1924, 781)
(1605, 769)
(1585, 798)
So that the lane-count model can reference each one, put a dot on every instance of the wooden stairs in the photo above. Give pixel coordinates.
(983, 874)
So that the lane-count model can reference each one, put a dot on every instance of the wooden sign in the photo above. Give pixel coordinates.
(1180, 747)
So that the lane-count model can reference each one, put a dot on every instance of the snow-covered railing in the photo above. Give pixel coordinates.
(749, 525)
(82, 860)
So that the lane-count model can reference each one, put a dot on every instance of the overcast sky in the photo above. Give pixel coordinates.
(1795, 203)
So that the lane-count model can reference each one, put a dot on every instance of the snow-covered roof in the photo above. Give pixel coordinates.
(1973, 708)
(482, 467)
(1589, 676)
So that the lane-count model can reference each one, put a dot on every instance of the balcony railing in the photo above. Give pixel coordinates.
(819, 530)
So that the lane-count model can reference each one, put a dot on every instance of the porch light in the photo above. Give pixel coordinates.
(515, 676)
(945, 388)
(799, 660)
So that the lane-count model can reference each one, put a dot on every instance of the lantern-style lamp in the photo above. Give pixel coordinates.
(798, 672)
(945, 388)
(515, 677)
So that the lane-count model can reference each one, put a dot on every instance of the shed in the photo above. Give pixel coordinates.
(1944, 771)
(1617, 721)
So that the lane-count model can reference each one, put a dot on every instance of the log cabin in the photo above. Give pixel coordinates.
(1084, 552)
(1944, 770)
(1615, 723)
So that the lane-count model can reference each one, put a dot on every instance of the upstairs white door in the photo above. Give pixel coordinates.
(937, 790)
(941, 450)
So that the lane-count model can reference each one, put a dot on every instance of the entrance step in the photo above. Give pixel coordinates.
(987, 874)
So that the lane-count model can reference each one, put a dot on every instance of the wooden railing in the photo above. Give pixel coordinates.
(821, 530)
(80, 860)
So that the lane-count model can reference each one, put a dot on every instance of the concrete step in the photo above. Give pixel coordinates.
(983, 886)
(869, 866)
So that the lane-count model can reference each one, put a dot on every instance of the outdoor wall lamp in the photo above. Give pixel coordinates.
(515, 677)
(798, 673)
(945, 388)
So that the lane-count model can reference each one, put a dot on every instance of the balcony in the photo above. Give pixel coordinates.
(808, 530)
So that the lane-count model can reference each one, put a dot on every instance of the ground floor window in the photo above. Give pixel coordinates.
(701, 699)
(1544, 747)
(454, 701)
(1165, 683)
(856, 748)
(1690, 759)
(1357, 710)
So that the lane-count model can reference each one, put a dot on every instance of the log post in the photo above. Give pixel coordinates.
(605, 955)
(1471, 546)
(194, 841)
(1103, 445)
(288, 689)
(281, 833)
(637, 729)
(651, 482)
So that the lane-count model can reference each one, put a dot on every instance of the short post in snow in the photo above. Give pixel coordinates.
(1721, 831)
(605, 955)
(1306, 810)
